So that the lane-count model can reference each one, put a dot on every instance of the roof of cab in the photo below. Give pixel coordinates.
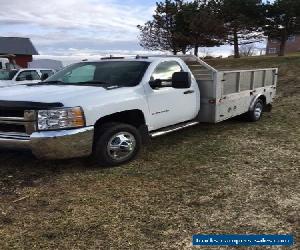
(35, 69)
(134, 59)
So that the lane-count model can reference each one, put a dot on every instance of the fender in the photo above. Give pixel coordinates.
(251, 108)
(134, 117)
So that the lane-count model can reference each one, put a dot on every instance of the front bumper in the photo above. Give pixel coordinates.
(62, 144)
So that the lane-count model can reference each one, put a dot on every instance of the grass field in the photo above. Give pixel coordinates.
(234, 177)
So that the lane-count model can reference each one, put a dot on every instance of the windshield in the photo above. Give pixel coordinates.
(119, 73)
(7, 75)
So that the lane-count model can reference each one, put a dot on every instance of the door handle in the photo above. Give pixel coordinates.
(189, 92)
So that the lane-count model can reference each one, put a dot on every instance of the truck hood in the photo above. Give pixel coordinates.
(48, 93)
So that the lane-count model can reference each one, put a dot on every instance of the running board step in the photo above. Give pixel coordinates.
(172, 129)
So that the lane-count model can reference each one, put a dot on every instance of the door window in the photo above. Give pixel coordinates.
(31, 75)
(165, 71)
(7, 75)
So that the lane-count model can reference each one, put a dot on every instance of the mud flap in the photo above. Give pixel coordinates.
(268, 108)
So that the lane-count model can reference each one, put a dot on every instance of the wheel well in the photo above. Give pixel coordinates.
(133, 117)
(264, 99)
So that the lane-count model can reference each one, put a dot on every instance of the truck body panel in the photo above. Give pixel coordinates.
(225, 94)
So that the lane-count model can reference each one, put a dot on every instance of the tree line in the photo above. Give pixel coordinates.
(181, 26)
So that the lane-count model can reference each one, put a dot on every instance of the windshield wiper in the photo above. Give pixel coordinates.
(76, 83)
(93, 82)
(46, 83)
(53, 82)
(88, 83)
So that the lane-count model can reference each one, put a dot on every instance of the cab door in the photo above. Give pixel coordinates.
(169, 106)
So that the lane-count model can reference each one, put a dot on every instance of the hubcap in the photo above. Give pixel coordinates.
(258, 110)
(121, 146)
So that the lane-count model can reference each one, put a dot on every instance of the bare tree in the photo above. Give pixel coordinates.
(247, 50)
(164, 31)
(179, 25)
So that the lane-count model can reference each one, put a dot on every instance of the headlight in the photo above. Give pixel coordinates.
(63, 118)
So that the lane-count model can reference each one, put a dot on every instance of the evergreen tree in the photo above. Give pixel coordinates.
(243, 21)
(204, 27)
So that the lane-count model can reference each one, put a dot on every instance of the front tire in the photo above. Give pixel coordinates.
(116, 144)
(256, 114)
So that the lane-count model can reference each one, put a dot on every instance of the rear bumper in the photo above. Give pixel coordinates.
(53, 144)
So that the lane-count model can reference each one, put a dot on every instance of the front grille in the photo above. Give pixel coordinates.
(11, 113)
(17, 121)
(12, 128)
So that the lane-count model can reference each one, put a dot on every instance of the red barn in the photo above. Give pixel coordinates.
(21, 47)
(292, 45)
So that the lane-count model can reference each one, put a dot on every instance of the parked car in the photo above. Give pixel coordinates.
(23, 76)
(109, 108)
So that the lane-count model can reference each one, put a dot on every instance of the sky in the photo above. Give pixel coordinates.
(79, 29)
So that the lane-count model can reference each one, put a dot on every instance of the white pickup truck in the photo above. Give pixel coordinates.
(108, 108)
(13, 77)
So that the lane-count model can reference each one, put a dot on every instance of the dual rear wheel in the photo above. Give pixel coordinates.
(256, 113)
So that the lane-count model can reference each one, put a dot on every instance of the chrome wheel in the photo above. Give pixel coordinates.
(121, 146)
(258, 110)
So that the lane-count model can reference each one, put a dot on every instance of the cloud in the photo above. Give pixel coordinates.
(71, 14)
(78, 29)
(58, 25)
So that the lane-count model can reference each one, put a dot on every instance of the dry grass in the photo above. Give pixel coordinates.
(234, 177)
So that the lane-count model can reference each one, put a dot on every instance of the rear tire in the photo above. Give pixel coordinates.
(256, 114)
(116, 144)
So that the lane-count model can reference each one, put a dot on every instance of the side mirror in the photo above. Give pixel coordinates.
(181, 80)
(155, 84)
(44, 76)
(29, 78)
